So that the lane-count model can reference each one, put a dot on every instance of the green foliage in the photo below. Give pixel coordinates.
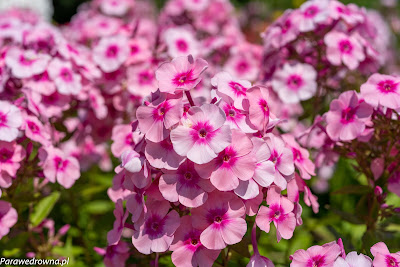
(43, 208)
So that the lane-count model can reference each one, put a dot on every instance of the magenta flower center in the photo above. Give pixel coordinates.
(181, 45)
(145, 77)
(387, 86)
(34, 128)
(274, 157)
(286, 26)
(5, 155)
(129, 140)
(112, 51)
(154, 226)
(345, 46)
(188, 176)
(3, 119)
(66, 74)
(194, 242)
(348, 114)
(317, 261)
(218, 219)
(264, 107)
(242, 66)
(26, 61)
(311, 11)
(294, 82)
(134, 49)
(60, 164)
(184, 78)
(232, 113)
(238, 88)
(390, 261)
(296, 154)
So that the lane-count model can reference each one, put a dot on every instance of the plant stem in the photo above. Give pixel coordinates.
(190, 99)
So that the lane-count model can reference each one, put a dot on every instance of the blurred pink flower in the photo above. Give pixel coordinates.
(382, 90)
(111, 52)
(11, 155)
(8, 217)
(25, 64)
(10, 121)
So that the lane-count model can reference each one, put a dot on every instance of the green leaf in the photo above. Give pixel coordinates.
(43, 208)
(352, 189)
(99, 207)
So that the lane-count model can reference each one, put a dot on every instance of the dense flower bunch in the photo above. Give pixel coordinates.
(333, 254)
(364, 127)
(315, 50)
(199, 167)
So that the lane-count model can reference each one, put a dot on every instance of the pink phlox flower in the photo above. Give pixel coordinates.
(114, 235)
(347, 117)
(66, 79)
(311, 14)
(182, 73)
(353, 260)
(162, 155)
(297, 185)
(111, 52)
(383, 257)
(11, 156)
(181, 42)
(318, 256)
(36, 131)
(10, 121)
(8, 217)
(25, 64)
(221, 220)
(382, 90)
(203, 134)
(280, 212)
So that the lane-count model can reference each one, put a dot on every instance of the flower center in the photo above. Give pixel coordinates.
(194, 241)
(311, 11)
(390, 261)
(348, 114)
(231, 113)
(345, 46)
(277, 214)
(112, 51)
(182, 45)
(387, 86)
(155, 226)
(295, 82)
(218, 219)
(226, 158)
(202, 133)
(5, 155)
(34, 128)
(3, 119)
(66, 75)
(188, 176)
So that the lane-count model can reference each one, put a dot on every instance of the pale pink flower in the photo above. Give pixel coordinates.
(262, 154)
(230, 89)
(311, 14)
(131, 161)
(58, 166)
(353, 260)
(182, 73)
(347, 117)
(282, 31)
(234, 163)
(162, 155)
(257, 107)
(123, 139)
(141, 80)
(235, 118)
(382, 90)
(111, 52)
(383, 257)
(222, 220)
(11, 155)
(41, 83)
(115, 7)
(156, 119)
(243, 66)
(301, 157)
(349, 13)
(36, 131)
(140, 51)
(25, 64)
(280, 165)
(10, 121)
(203, 135)
(67, 81)
(156, 232)
(188, 249)
(8, 217)
(318, 256)
(295, 83)
(280, 212)
(196, 5)
(185, 185)
(297, 185)
(343, 48)
(114, 235)
(181, 42)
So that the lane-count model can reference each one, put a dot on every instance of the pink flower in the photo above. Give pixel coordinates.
(196, 5)
(11, 155)
(262, 154)
(8, 217)
(234, 163)
(347, 117)
(282, 31)
(157, 118)
(185, 185)
(182, 73)
(25, 64)
(111, 52)
(382, 90)
(353, 260)
(162, 155)
(230, 89)
(156, 232)
(235, 118)
(222, 220)
(383, 257)
(115, 7)
(257, 106)
(257, 260)
(181, 42)
(203, 135)
(318, 256)
(41, 83)
(114, 255)
(66, 80)
(123, 139)
(349, 13)
(311, 14)
(141, 80)
(280, 212)
(36, 131)
(300, 156)
(58, 166)
(10, 121)
(131, 161)
(114, 236)
(343, 48)
(295, 83)
(188, 249)
(280, 166)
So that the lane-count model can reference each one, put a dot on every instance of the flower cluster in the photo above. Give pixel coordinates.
(333, 254)
(321, 48)
(198, 167)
